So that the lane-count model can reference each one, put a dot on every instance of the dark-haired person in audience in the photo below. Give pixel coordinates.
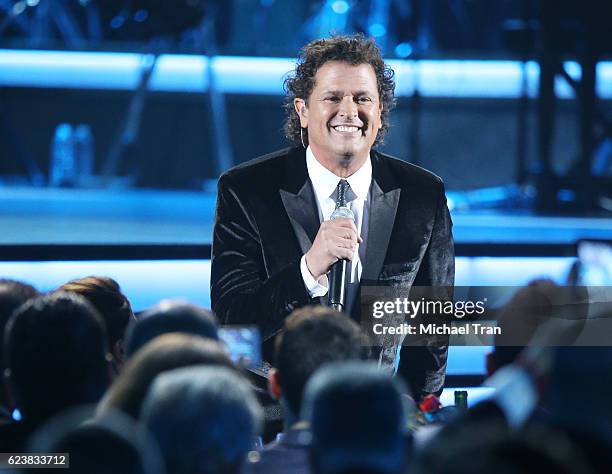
(56, 357)
(166, 317)
(13, 294)
(311, 337)
(358, 420)
(204, 419)
(105, 295)
(114, 444)
(164, 353)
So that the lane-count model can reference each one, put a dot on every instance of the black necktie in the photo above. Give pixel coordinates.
(343, 194)
(341, 190)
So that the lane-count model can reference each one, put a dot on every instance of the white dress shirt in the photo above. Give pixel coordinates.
(324, 184)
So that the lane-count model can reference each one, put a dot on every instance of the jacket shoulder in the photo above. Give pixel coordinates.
(264, 169)
(408, 174)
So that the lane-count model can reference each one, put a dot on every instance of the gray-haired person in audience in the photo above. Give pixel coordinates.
(205, 419)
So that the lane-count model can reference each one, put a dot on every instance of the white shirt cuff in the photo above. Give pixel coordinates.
(315, 289)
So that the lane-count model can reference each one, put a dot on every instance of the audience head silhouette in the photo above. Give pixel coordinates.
(357, 418)
(204, 419)
(56, 355)
(105, 295)
(162, 354)
(311, 337)
(170, 316)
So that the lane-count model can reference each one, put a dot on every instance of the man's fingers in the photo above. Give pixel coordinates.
(344, 222)
(344, 249)
(345, 254)
(346, 243)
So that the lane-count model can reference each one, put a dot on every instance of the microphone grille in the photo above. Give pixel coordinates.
(342, 212)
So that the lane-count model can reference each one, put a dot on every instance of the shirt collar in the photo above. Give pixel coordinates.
(325, 182)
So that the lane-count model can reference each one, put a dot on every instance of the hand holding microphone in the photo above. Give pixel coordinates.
(333, 247)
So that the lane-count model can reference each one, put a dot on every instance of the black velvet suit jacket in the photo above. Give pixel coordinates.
(266, 219)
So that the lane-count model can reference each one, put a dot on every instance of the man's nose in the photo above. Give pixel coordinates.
(348, 108)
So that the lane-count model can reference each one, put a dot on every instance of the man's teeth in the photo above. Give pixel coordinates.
(343, 128)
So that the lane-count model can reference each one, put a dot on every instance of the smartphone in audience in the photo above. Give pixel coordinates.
(243, 343)
(594, 264)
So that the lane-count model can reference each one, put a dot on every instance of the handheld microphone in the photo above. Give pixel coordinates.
(338, 272)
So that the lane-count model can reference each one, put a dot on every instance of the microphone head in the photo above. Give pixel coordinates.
(342, 212)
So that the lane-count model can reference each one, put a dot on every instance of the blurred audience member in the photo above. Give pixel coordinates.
(576, 400)
(204, 419)
(311, 336)
(164, 353)
(357, 419)
(515, 398)
(113, 444)
(12, 295)
(170, 316)
(56, 357)
(105, 295)
(519, 320)
(484, 449)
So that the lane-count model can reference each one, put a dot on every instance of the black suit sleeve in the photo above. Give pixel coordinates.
(424, 368)
(242, 292)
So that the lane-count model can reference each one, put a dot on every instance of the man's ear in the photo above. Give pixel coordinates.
(274, 387)
(118, 353)
(302, 110)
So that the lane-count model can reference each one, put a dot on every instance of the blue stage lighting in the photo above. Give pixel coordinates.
(141, 16)
(190, 73)
(403, 50)
(377, 30)
(340, 7)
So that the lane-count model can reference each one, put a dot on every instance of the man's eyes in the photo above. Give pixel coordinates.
(361, 99)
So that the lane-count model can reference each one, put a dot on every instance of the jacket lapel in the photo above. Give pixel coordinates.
(302, 214)
(383, 208)
(299, 200)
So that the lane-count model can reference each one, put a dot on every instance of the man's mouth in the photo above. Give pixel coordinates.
(346, 128)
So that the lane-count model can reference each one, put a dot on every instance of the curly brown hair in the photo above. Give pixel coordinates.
(355, 50)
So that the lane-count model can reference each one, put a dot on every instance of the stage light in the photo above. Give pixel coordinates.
(377, 30)
(186, 73)
(340, 7)
(19, 8)
(141, 16)
(117, 22)
(403, 50)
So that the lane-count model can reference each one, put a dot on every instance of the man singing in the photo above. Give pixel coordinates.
(274, 242)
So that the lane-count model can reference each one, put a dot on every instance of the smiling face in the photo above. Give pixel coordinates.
(342, 114)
